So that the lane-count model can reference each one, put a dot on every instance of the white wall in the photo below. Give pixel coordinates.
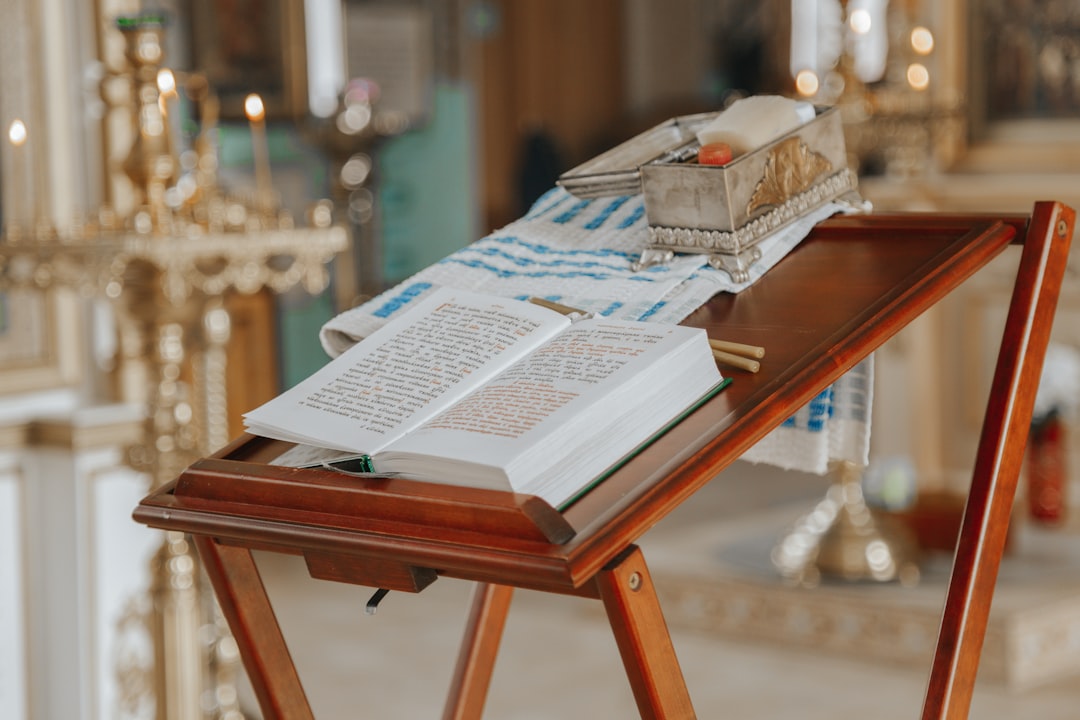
(74, 572)
(13, 689)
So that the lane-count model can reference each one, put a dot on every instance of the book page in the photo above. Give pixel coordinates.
(518, 407)
(553, 376)
(414, 367)
(560, 418)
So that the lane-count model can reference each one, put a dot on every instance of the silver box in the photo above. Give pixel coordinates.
(720, 210)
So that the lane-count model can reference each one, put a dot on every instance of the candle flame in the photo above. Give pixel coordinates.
(922, 40)
(166, 82)
(860, 21)
(918, 76)
(17, 132)
(253, 107)
(806, 82)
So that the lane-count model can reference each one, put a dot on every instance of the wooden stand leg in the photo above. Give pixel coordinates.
(476, 660)
(997, 464)
(243, 600)
(642, 636)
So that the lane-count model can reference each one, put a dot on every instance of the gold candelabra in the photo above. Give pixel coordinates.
(901, 123)
(166, 265)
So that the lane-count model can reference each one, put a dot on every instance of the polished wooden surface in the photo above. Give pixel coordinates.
(845, 290)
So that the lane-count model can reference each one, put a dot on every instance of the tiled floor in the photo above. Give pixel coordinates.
(558, 659)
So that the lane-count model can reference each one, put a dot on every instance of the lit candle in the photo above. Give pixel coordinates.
(860, 21)
(806, 82)
(922, 40)
(17, 137)
(918, 76)
(167, 96)
(256, 114)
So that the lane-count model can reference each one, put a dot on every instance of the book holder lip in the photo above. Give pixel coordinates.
(347, 558)
(236, 483)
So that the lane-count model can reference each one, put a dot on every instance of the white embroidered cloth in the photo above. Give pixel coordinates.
(579, 253)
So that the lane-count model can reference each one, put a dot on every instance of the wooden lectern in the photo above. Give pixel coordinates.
(852, 284)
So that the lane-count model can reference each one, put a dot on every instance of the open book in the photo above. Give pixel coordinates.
(490, 392)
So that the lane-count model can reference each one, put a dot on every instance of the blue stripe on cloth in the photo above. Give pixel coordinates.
(653, 310)
(581, 259)
(815, 414)
(821, 409)
(611, 308)
(572, 212)
(496, 254)
(503, 273)
(639, 212)
(606, 212)
(401, 299)
(547, 249)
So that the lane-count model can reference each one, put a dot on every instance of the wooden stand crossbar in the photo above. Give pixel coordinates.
(636, 620)
(472, 676)
(878, 274)
(246, 607)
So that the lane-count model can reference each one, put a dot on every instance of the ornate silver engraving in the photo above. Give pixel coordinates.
(731, 250)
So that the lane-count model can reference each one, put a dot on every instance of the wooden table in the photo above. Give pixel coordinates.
(852, 284)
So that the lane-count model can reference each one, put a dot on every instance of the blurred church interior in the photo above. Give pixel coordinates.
(190, 188)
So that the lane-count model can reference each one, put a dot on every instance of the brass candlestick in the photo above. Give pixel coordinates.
(150, 163)
(842, 538)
